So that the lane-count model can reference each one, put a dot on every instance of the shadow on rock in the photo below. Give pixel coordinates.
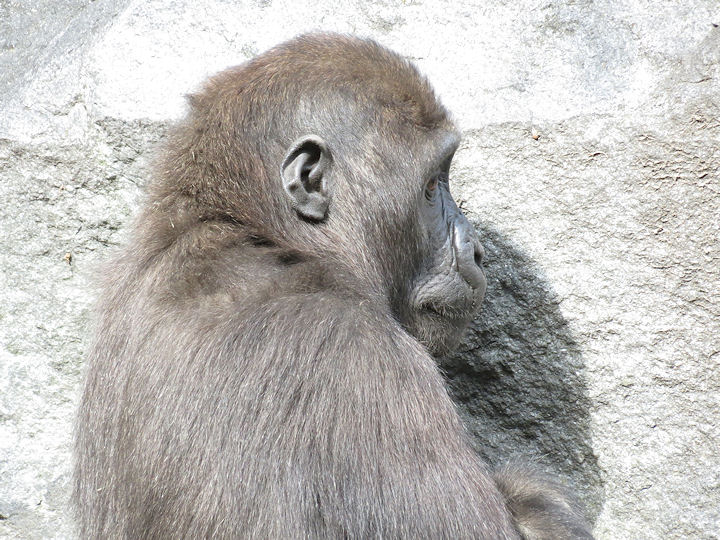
(518, 379)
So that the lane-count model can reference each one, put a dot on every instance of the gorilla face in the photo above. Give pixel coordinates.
(386, 201)
(428, 247)
(450, 283)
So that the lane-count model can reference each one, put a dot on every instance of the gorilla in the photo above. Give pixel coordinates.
(262, 365)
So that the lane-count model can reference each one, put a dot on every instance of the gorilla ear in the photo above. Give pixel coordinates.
(305, 177)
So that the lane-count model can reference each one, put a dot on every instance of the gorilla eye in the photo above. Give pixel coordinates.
(431, 186)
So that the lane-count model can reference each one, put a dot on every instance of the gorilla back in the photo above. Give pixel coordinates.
(261, 366)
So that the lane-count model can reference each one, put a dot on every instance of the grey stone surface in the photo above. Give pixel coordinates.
(590, 166)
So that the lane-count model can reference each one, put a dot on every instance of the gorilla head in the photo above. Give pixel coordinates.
(261, 364)
(337, 148)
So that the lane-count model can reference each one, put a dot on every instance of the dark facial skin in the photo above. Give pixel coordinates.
(450, 284)
(261, 365)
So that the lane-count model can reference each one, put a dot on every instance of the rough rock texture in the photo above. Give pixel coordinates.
(590, 166)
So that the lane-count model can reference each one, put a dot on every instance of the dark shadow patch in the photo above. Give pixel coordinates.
(518, 376)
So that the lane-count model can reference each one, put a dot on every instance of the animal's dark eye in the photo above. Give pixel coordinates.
(431, 188)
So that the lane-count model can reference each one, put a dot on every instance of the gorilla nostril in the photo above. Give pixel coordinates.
(469, 261)
(479, 253)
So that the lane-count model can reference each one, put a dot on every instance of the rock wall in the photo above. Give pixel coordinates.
(590, 165)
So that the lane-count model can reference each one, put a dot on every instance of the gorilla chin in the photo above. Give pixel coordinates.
(262, 360)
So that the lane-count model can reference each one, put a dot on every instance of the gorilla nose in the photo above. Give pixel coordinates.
(469, 254)
(479, 253)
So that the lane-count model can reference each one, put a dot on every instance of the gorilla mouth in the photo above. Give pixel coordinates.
(455, 311)
(446, 294)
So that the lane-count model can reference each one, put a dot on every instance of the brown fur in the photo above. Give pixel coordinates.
(251, 373)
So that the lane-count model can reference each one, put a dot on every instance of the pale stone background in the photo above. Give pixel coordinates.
(590, 166)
